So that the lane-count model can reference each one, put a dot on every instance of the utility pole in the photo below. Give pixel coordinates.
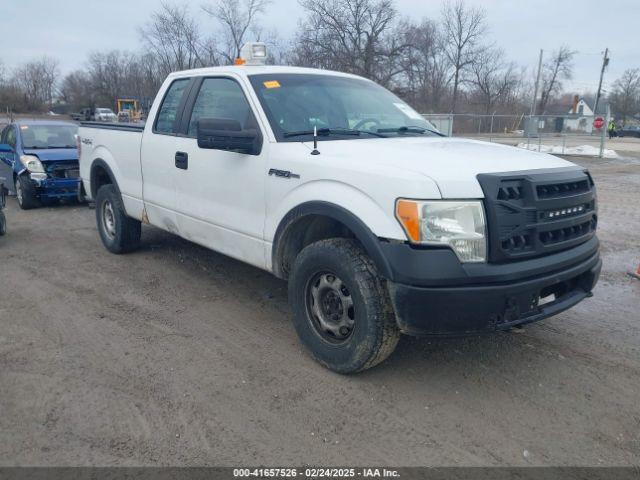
(535, 91)
(605, 62)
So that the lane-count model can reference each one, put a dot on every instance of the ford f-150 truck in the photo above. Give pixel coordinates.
(380, 225)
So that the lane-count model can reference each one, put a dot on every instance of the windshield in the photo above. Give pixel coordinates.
(48, 136)
(338, 107)
(103, 110)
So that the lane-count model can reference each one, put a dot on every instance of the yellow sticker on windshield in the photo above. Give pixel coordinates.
(272, 84)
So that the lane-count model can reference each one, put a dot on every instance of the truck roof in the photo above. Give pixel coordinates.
(248, 70)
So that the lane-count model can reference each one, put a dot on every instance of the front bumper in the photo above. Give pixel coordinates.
(56, 187)
(483, 298)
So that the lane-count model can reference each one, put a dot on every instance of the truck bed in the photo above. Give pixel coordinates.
(117, 145)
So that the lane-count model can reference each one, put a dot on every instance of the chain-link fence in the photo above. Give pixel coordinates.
(559, 134)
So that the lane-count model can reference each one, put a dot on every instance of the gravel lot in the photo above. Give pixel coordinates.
(175, 355)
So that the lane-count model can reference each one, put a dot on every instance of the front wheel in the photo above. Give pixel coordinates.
(3, 224)
(25, 193)
(119, 232)
(342, 310)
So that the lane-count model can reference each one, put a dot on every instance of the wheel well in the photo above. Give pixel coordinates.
(304, 231)
(100, 175)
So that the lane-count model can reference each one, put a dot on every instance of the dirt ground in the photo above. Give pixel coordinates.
(175, 355)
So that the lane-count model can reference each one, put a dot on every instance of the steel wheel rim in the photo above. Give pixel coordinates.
(108, 219)
(330, 307)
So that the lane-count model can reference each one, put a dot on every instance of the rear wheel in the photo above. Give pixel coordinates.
(119, 232)
(25, 193)
(3, 224)
(342, 310)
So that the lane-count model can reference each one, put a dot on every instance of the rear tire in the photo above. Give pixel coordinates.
(25, 193)
(3, 224)
(342, 310)
(119, 232)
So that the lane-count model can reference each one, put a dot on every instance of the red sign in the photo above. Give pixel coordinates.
(598, 122)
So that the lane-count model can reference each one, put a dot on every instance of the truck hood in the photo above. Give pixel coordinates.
(53, 154)
(453, 163)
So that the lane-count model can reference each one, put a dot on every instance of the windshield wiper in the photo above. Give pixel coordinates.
(60, 146)
(325, 132)
(410, 129)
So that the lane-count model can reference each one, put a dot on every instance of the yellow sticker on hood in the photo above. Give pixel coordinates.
(272, 84)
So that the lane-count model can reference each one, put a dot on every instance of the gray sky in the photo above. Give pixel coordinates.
(69, 29)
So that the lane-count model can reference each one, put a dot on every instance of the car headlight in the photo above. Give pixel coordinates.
(457, 224)
(32, 163)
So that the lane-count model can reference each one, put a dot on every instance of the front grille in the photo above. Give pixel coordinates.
(567, 233)
(537, 212)
(558, 190)
(65, 169)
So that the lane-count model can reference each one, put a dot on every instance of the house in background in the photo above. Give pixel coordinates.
(580, 117)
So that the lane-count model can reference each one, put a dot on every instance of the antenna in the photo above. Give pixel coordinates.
(315, 141)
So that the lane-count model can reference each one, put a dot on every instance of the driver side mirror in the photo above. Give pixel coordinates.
(6, 148)
(226, 134)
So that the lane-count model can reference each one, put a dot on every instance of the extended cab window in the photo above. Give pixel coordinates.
(169, 109)
(221, 98)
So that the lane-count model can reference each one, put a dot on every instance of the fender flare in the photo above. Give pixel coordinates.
(369, 241)
(98, 162)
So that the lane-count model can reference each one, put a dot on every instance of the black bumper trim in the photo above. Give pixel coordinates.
(441, 267)
(483, 308)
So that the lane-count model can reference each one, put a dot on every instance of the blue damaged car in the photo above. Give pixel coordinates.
(39, 161)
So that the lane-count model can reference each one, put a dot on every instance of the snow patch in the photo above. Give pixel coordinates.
(582, 150)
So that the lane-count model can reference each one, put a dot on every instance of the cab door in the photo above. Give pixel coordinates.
(157, 157)
(220, 195)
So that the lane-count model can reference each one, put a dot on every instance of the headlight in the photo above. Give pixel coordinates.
(32, 163)
(459, 225)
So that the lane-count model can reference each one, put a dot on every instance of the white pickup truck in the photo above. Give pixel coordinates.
(380, 224)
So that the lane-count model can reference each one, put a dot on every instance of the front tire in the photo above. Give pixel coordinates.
(3, 224)
(342, 310)
(25, 193)
(119, 232)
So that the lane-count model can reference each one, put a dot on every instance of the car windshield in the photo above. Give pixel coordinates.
(48, 136)
(104, 110)
(336, 107)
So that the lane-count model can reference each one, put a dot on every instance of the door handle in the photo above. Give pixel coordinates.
(182, 160)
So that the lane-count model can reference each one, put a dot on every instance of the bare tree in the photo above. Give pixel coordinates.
(76, 90)
(464, 28)
(238, 19)
(425, 68)
(357, 36)
(37, 81)
(116, 74)
(173, 37)
(494, 81)
(558, 68)
(625, 98)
